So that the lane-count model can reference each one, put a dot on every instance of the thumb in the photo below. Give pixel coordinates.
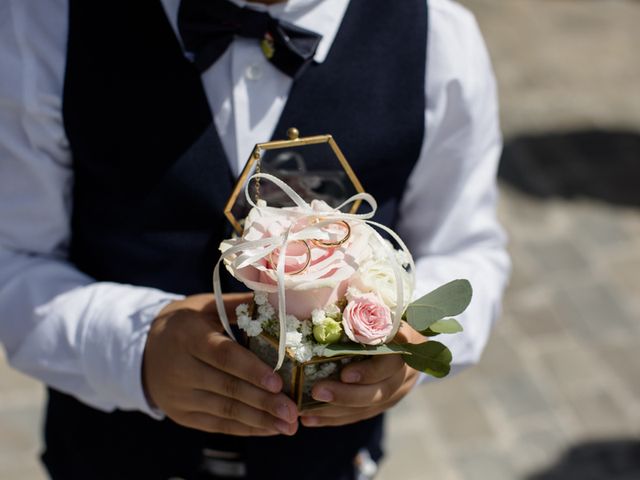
(408, 334)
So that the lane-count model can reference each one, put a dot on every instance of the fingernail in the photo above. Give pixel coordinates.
(282, 427)
(310, 421)
(285, 413)
(352, 376)
(323, 395)
(272, 383)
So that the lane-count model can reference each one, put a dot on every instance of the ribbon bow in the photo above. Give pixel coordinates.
(246, 253)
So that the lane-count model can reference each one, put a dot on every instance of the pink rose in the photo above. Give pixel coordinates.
(366, 319)
(323, 282)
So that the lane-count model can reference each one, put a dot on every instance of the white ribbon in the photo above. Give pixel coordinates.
(314, 231)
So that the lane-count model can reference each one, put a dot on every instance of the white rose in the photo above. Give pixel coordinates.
(377, 276)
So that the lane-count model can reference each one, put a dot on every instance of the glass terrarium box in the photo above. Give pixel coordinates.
(315, 168)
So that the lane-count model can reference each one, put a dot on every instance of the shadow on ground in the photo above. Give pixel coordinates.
(603, 165)
(601, 460)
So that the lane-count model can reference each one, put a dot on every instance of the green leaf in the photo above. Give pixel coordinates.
(446, 325)
(336, 349)
(430, 357)
(429, 333)
(446, 301)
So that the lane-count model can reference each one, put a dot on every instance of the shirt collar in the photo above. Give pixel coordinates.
(319, 16)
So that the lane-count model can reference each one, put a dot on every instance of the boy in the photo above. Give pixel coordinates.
(121, 130)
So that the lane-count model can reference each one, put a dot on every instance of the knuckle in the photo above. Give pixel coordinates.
(222, 352)
(231, 387)
(229, 408)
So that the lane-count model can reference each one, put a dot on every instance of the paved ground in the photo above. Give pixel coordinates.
(562, 367)
(564, 64)
(557, 394)
(562, 372)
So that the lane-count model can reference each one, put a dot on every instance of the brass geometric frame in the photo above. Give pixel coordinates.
(297, 378)
(293, 141)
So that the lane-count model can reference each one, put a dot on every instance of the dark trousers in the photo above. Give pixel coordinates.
(84, 443)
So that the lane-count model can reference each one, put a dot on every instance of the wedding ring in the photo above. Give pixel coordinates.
(328, 244)
(304, 267)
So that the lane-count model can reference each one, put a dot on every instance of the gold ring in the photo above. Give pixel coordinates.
(326, 244)
(305, 266)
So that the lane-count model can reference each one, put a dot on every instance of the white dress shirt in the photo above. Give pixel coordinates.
(87, 338)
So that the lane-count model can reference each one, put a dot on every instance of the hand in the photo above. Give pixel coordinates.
(368, 387)
(202, 379)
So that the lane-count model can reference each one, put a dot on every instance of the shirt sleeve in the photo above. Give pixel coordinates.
(82, 337)
(448, 212)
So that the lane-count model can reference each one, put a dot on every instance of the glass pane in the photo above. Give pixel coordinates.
(312, 171)
(268, 353)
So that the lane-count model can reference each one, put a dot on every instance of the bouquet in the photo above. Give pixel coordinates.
(330, 289)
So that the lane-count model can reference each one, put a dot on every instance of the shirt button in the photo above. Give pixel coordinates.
(253, 72)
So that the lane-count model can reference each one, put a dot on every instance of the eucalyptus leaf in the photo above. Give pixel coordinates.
(429, 333)
(446, 325)
(430, 357)
(446, 301)
(336, 349)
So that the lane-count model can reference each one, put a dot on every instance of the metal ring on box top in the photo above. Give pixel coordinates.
(305, 266)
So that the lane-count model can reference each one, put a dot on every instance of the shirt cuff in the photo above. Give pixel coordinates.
(113, 341)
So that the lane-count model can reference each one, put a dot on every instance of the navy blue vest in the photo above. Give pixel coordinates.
(151, 179)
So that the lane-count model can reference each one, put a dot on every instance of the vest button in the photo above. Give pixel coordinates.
(253, 72)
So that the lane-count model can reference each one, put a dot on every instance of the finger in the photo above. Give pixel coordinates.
(405, 333)
(350, 395)
(373, 370)
(232, 409)
(232, 300)
(408, 334)
(318, 421)
(212, 424)
(206, 303)
(215, 381)
(224, 354)
(332, 410)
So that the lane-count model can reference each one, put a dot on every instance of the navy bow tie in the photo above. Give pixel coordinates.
(207, 28)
